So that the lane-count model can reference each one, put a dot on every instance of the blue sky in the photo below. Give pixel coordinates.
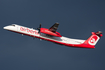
(77, 19)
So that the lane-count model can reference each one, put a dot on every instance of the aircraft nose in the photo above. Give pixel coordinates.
(5, 27)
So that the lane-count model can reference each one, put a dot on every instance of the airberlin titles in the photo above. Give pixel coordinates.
(29, 30)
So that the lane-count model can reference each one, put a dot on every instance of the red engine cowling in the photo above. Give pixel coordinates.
(47, 31)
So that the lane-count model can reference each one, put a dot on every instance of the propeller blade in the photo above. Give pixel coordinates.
(40, 26)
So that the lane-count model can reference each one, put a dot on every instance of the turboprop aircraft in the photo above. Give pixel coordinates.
(52, 35)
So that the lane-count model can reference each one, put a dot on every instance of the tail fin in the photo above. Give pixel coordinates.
(93, 39)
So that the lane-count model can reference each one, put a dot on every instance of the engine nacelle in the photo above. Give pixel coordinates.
(47, 31)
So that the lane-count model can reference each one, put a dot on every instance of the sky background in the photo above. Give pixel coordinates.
(77, 19)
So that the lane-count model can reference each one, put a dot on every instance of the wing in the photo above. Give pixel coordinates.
(54, 27)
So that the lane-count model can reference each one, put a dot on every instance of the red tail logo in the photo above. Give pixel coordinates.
(93, 39)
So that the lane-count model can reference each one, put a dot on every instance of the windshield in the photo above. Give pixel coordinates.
(13, 24)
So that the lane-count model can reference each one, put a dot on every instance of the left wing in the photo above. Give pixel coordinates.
(54, 27)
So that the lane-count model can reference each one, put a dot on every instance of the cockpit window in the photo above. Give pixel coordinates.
(13, 25)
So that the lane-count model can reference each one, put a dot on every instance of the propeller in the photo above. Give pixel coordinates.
(39, 28)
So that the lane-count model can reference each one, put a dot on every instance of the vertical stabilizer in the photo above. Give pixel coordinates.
(94, 38)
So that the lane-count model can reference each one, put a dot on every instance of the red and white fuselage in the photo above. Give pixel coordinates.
(89, 43)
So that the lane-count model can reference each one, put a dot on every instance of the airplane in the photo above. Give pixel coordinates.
(52, 35)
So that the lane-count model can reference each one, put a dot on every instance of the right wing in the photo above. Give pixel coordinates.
(54, 27)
